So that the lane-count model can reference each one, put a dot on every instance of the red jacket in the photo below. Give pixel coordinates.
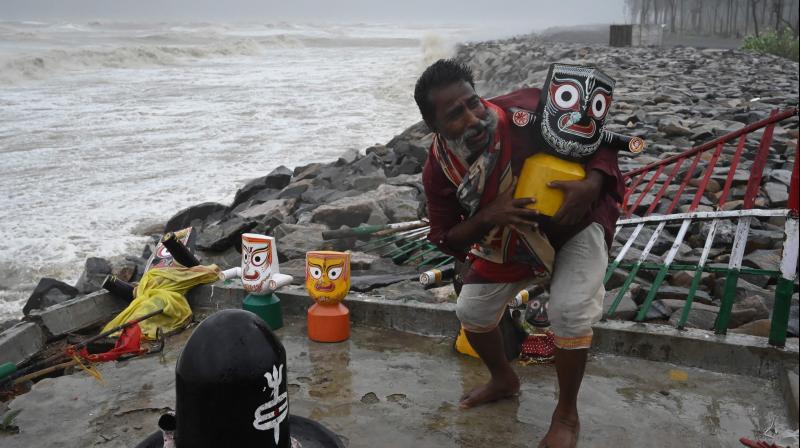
(444, 210)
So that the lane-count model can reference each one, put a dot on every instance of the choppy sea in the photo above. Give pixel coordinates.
(106, 128)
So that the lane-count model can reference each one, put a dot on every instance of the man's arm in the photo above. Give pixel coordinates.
(503, 211)
(603, 176)
(450, 231)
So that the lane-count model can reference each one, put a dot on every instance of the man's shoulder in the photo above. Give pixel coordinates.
(527, 98)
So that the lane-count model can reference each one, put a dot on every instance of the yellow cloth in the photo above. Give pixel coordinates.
(164, 288)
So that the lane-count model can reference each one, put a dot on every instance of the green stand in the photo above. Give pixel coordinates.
(267, 307)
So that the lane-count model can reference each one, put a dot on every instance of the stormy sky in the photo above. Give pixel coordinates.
(535, 14)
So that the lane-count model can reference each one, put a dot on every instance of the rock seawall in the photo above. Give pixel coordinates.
(674, 98)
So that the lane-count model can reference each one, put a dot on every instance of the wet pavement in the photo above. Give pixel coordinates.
(385, 388)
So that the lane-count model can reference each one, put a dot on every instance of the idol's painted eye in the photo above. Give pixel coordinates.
(546, 305)
(535, 304)
(334, 273)
(163, 252)
(599, 105)
(246, 257)
(259, 259)
(566, 96)
(315, 272)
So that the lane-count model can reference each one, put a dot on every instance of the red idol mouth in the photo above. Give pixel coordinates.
(585, 131)
(254, 276)
(322, 287)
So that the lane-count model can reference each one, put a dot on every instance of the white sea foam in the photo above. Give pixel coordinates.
(106, 125)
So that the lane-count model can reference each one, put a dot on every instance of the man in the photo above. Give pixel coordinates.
(469, 180)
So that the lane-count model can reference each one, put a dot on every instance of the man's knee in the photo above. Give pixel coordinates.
(472, 320)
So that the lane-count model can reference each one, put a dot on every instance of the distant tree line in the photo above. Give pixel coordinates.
(727, 18)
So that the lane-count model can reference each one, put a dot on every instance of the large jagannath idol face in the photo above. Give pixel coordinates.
(259, 261)
(161, 257)
(573, 107)
(327, 276)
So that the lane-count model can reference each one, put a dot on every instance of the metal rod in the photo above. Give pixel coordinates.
(664, 186)
(723, 138)
(757, 170)
(709, 170)
(785, 287)
(732, 171)
(676, 199)
(646, 190)
(735, 264)
(756, 213)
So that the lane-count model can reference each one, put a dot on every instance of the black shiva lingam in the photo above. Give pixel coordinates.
(231, 391)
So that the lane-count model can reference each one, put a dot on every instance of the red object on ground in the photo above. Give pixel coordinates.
(129, 343)
(757, 443)
(328, 323)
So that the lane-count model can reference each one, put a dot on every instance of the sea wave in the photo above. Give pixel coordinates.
(39, 66)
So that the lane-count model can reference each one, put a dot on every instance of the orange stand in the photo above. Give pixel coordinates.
(328, 323)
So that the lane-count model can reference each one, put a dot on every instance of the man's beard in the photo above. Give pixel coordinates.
(459, 146)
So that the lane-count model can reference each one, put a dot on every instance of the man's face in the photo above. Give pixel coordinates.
(460, 114)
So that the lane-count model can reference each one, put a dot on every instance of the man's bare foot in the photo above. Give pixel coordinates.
(495, 389)
(563, 432)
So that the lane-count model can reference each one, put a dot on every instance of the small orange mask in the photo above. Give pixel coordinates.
(327, 276)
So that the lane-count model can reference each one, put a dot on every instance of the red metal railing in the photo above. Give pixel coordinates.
(664, 174)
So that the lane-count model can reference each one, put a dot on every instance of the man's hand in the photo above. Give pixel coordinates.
(504, 210)
(579, 195)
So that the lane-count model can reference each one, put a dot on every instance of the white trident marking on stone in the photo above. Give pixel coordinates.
(270, 414)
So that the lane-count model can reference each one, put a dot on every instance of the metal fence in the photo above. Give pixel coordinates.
(656, 190)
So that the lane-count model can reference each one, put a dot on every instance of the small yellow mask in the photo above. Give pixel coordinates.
(327, 276)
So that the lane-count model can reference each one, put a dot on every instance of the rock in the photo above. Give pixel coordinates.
(296, 268)
(364, 283)
(369, 164)
(220, 236)
(379, 150)
(195, 215)
(270, 213)
(626, 309)
(295, 189)
(745, 289)
(278, 178)
(741, 316)
(666, 292)
(349, 156)
(658, 311)
(678, 304)
(777, 193)
(684, 279)
(228, 258)
(698, 318)
(367, 183)
(94, 272)
(782, 176)
(794, 324)
(6, 324)
(761, 259)
(362, 261)
(127, 268)
(294, 240)
(309, 171)
(49, 292)
(405, 291)
(763, 239)
(723, 237)
(673, 128)
(350, 212)
(397, 203)
(756, 328)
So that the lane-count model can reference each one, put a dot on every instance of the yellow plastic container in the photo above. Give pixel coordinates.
(541, 169)
(463, 346)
